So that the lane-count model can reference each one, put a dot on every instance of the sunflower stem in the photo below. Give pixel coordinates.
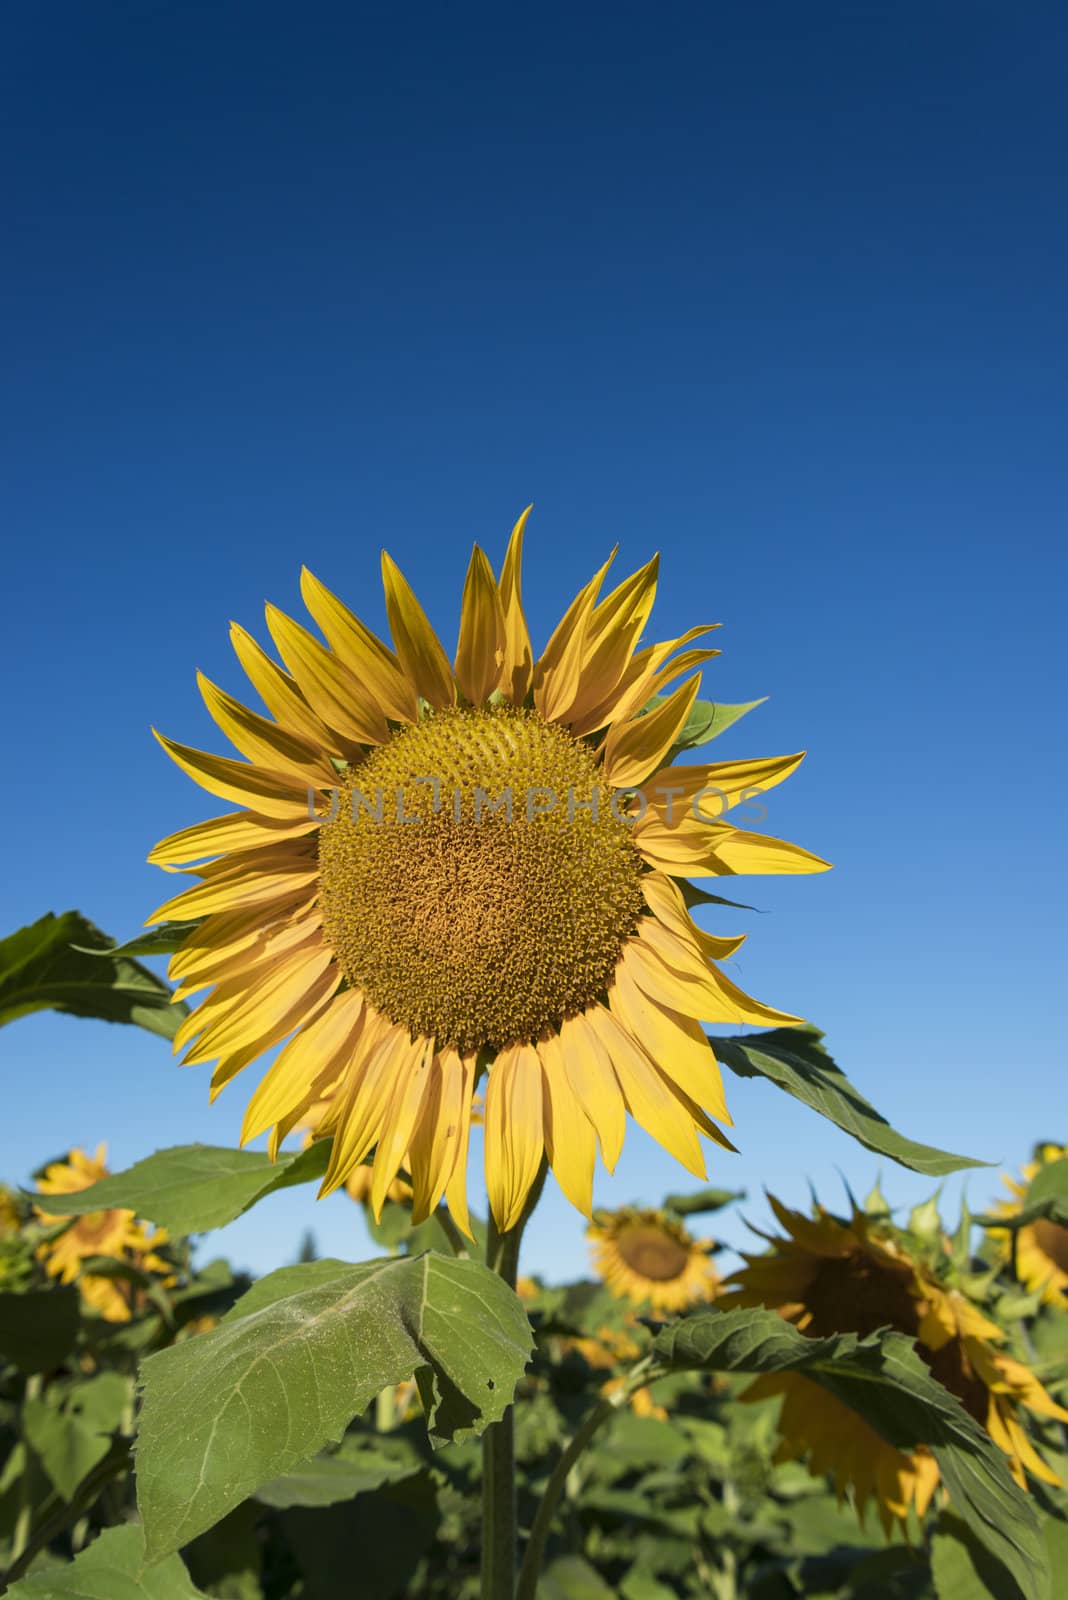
(498, 1441)
(596, 1417)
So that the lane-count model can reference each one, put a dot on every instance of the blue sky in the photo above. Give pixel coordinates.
(777, 291)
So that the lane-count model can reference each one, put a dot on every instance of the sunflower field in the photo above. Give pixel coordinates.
(471, 891)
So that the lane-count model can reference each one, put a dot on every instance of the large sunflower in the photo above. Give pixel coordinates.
(649, 1258)
(116, 1234)
(474, 889)
(1041, 1247)
(832, 1276)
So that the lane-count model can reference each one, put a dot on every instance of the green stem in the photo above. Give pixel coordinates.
(498, 1441)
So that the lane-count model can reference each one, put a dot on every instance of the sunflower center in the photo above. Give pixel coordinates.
(653, 1253)
(475, 882)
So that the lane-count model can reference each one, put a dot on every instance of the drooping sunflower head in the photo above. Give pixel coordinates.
(649, 1258)
(1041, 1246)
(115, 1234)
(441, 868)
(857, 1275)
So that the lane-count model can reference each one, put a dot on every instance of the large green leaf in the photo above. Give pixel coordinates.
(110, 1569)
(794, 1059)
(38, 1329)
(54, 965)
(298, 1357)
(883, 1379)
(193, 1187)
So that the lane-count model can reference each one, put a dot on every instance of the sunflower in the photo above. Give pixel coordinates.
(100, 1233)
(358, 1183)
(1041, 1247)
(831, 1276)
(440, 868)
(649, 1258)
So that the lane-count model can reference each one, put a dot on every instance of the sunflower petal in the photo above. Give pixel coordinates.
(635, 749)
(436, 1138)
(398, 1125)
(480, 650)
(330, 688)
(238, 830)
(418, 646)
(558, 671)
(595, 1085)
(648, 1098)
(676, 1042)
(280, 695)
(272, 794)
(371, 662)
(517, 668)
(264, 742)
(570, 1142)
(315, 1049)
(514, 1138)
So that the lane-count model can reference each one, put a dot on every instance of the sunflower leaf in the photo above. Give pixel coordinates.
(795, 1060)
(301, 1354)
(883, 1380)
(110, 1569)
(191, 1188)
(162, 940)
(54, 964)
(690, 1205)
(708, 719)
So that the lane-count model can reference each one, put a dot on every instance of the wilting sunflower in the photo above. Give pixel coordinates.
(649, 1258)
(441, 867)
(117, 1234)
(831, 1276)
(1041, 1247)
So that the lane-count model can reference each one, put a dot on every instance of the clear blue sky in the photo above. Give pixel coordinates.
(778, 290)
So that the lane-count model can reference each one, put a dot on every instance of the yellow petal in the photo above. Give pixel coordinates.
(228, 891)
(239, 830)
(614, 629)
(364, 1105)
(371, 662)
(558, 671)
(227, 933)
(694, 987)
(456, 1187)
(330, 689)
(514, 1140)
(316, 1049)
(398, 1125)
(272, 794)
(570, 1142)
(250, 1012)
(596, 1087)
(637, 685)
(436, 1139)
(634, 749)
(732, 851)
(518, 659)
(280, 695)
(648, 1098)
(480, 650)
(303, 1011)
(685, 795)
(418, 646)
(675, 1041)
(664, 899)
(264, 742)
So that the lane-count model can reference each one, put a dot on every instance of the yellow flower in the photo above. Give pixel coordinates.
(9, 1212)
(479, 886)
(101, 1233)
(830, 1276)
(1041, 1247)
(649, 1258)
(612, 1347)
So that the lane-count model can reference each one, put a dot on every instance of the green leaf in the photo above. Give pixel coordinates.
(71, 1433)
(959, 1565)
(110, 1569)
(191, 1188)
(883, 1379)
(38, 1329)
(690, 1205)
(572, 1578)
(47, 967)
(298, 1357)
(708, 719)
(794, 1060)
(371, 1548)
(363, 1462)
(162, 940)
